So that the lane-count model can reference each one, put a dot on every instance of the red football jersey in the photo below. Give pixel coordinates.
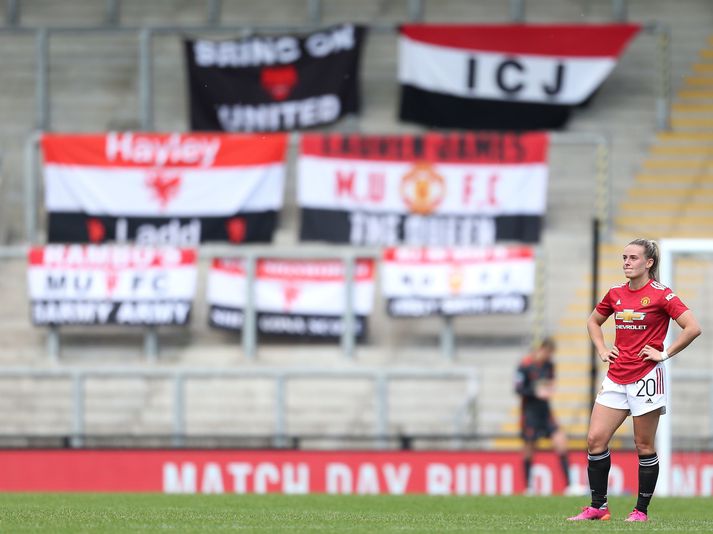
(641, 318)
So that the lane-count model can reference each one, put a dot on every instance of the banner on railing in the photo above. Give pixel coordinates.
(274, 83)
(504, 77)
(292, 297)
(437, 189)
(163, 189)
(418, 282)
(111, 284)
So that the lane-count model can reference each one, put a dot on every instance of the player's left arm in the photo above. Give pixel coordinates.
(690, 330)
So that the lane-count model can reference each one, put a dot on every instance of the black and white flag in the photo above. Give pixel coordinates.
(504, 77)
(274, 83)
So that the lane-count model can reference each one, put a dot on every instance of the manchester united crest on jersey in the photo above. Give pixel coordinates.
(636, 328)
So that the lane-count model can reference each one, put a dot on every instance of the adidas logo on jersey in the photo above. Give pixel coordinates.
(649, 401)
(618, 302)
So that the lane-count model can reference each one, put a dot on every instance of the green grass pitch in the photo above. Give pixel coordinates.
(148, 513)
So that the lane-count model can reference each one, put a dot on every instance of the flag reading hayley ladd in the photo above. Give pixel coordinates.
(111, 284)
(419, 282)
(303, 298)
(274, 83)
(163, 189)
(437, 189)
(504, 77)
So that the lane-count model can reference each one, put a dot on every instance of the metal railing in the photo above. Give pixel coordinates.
(145, 74)
(381, 436)
(250, 253)
(249, 336)
(213, 10)
(381, 377)
(313, 11)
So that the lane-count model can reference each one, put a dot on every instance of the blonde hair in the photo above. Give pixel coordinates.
(651, 251)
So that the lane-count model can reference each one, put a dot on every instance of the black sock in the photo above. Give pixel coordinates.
(528, 468)
(564, 462)
(598, 471)
(648, 474)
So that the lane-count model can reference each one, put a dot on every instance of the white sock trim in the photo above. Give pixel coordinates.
(596, 457)
(648, 462)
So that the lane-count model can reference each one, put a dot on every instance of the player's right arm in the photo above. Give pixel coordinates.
(594, 327)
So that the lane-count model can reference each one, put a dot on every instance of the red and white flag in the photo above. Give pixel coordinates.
(446, 189)
(177, 189)
(103, 284)
(505, 77)
(457, 281)
(292, 297)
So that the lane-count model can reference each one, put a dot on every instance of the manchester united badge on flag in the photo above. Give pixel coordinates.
(437, 189)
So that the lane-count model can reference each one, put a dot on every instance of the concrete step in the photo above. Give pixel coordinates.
(683, 151)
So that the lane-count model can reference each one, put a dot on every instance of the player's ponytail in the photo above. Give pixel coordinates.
(651, 251)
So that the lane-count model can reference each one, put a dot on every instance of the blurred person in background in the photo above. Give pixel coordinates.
(636, 382)
(535, 383)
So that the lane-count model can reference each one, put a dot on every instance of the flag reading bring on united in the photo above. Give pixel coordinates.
(504, 77)
(274, 83)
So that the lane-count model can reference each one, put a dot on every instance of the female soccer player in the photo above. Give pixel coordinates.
(635, 381)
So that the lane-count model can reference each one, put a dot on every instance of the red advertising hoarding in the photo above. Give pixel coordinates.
(333, 472)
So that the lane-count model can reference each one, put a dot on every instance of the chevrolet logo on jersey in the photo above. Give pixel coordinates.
(629, 316)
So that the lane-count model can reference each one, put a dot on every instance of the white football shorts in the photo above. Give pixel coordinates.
(643, 396)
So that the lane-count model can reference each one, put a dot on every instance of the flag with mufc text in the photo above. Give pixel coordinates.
(504, 77)
(274, 83)
(418, 282)
(436, 189)
(304, 298)
(163, 189)
(111, 284)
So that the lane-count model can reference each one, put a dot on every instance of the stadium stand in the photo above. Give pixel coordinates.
(669, 198)
(658, 179)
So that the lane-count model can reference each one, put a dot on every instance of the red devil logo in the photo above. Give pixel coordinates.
(291, 292)
(236, 229)
(278, 81)
(164, 186)
(112, 279)
(95, 230)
